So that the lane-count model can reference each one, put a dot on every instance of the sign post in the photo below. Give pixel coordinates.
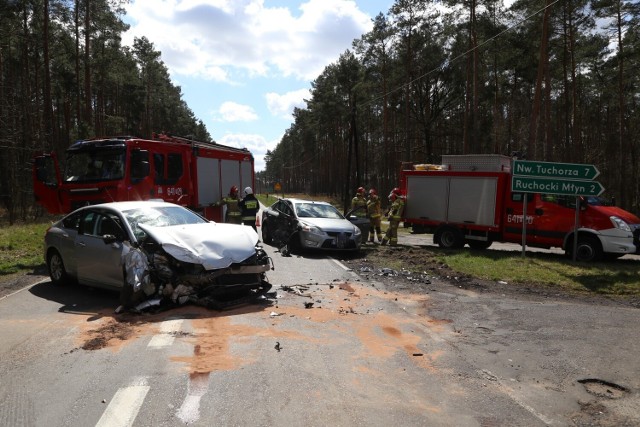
(571, 179)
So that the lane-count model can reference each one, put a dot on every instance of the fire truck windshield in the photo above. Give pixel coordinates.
(94, 165)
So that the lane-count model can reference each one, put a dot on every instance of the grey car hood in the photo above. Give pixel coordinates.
(212, 245)
(330, 224)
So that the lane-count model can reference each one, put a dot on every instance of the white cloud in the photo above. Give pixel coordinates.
(216, 39)
(282, 105)
(256, 144)
(234, 112)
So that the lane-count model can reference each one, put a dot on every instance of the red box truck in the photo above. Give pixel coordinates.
(468, 200)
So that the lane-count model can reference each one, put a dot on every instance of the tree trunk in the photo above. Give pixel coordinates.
(535, 111)
(87, 64)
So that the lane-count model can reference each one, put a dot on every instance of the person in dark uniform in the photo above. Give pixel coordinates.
(249, 206)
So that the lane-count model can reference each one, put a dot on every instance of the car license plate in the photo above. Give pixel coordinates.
(341, 241)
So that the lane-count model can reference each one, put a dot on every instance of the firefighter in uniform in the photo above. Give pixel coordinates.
(395, 215)
(359, 202)
(375, 215)
(249, 206)
(232, 203)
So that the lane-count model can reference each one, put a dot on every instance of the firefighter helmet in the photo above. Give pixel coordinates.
(248, 190)
(395, 193)
(360, 190)
(373, 192)
(233, 191)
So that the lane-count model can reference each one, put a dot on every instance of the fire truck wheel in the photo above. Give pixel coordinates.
(449, 238)
(57, 272)
(588, 250)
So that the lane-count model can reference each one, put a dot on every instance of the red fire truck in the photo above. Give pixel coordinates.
(468, 200)
(190, 173)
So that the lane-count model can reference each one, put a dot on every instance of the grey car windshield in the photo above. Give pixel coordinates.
(160, 217)
(314, 210)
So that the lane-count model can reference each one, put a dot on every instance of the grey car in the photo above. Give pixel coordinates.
(152, 246)
(309, 224)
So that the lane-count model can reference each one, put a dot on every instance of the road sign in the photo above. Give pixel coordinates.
(555, 170)
(556, 186)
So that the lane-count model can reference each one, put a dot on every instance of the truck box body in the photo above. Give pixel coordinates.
(468, 200)
(189, 173)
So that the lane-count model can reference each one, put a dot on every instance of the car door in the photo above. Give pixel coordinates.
(555, 218)
(288, 218)
(99, 263)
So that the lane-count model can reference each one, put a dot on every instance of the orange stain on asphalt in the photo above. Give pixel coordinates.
(338, 314)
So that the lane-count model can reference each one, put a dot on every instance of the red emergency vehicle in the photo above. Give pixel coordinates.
(468, 200)
(190, 173)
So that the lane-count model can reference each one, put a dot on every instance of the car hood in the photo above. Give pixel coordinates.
(212, 245)
(330, 224)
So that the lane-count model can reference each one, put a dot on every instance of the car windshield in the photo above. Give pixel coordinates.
(160, 216)
(315, 210)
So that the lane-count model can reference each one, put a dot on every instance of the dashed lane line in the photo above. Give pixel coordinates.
(125, 405)
(165, 338)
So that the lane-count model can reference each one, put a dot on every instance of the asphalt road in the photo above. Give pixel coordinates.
(330, 348)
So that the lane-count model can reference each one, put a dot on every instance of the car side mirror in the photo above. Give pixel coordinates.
(109, 238)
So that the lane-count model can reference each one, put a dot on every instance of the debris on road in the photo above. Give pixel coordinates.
(298, 290)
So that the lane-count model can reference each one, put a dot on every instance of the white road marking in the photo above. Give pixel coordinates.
(125, 405)
(166, 336)
(344, 267)
(26, 287)
(189, 412)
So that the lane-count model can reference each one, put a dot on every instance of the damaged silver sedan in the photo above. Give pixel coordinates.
(157, 254)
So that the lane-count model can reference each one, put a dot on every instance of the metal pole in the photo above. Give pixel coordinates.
(524, 224)
(576, 226)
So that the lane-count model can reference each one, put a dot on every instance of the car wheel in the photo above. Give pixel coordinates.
(295, 245)
(266, 233)
(57, 272)
(449, 238)
(588, 250)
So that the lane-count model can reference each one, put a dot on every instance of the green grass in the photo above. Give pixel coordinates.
(620, 277)
(21, 247)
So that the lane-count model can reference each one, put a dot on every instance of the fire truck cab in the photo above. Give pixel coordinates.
(178, 170)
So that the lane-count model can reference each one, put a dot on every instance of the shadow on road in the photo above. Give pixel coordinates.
(77, 299)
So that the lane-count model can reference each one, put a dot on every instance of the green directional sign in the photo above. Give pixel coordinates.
(555, 170)
(556, 186)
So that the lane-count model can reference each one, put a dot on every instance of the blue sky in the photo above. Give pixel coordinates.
(243, 65)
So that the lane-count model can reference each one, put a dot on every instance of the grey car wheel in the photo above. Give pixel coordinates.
(266, 233)
(56, 268)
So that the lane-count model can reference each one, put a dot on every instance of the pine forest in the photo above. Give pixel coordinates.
(550, 80)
